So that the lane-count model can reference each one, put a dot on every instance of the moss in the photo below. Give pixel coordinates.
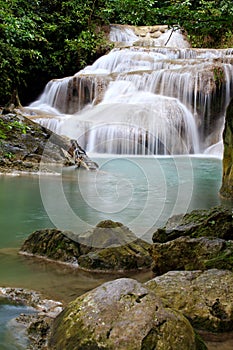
(192, 254)
(150, 340)
(109, 224)
(139, 321)
(53, 244)
(200, 345)
(127, 257)
(214, 222)
(224, 260)
(218, 76)
(226, 190)
(61, 246)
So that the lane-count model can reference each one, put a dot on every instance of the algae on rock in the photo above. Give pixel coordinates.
(124, 315)
(186, 253)
(226, 190)
(213, 222)
(205, 298)
(110, 246)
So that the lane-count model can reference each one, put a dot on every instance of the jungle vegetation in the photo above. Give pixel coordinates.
(45, 39)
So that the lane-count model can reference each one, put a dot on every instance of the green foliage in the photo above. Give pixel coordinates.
(45, 39)
(9, 155)
(5, 128)
(135, 12)
(206, 22)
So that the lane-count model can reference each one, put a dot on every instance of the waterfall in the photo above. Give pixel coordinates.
(141, 99)
(70, 95)
(135, 122)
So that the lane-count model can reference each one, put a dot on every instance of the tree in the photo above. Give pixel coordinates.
(45, 39)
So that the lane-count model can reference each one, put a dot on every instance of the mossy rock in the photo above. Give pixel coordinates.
(124, 315)
(131, 256)
(109, 224)
(205, 298)
(110, 246)
(186, 253)
(24, 141)
(107, 234)
(214, 222)
(53, 244)
(226, 190)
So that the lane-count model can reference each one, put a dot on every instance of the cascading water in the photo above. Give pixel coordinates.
(144, 100)
(135, 122)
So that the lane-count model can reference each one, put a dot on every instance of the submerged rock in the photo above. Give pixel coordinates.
(214, 222)
(205, 298)
(124, 315)
(185, 253)
(108, 246)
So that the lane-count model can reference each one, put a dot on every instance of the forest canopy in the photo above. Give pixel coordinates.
(45, 39)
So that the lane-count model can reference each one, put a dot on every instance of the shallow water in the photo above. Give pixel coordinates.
(10, 337)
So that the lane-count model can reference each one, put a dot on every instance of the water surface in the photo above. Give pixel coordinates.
(140, 192)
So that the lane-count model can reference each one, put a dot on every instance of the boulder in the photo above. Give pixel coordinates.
(214, 222)
(53, 244)
(205, 298)
(107, 233)
(131, 256)
(124, 315)
(110, 246)
(186, 253)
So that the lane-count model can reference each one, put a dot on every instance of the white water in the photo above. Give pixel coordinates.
(144, 100)
(135, 122)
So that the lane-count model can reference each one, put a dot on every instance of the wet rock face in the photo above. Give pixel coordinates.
(205, 298)
(226, 190)
(109, 246)
(124, 315)
(186, 253)
(214, 222)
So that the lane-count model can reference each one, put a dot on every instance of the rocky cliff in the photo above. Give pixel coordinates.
(226, 190)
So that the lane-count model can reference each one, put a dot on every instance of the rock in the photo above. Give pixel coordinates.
(108, 246)
(186, 253)
(149, 31)
(25, 143)
(205, 298)
(131, 256)
(107, 233)
(214, 222)
(53, 244)
(37, 324)
(226, 190)
(124, 315)
(115, 248)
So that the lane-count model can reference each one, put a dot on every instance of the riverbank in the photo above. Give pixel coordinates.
(36, 325)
